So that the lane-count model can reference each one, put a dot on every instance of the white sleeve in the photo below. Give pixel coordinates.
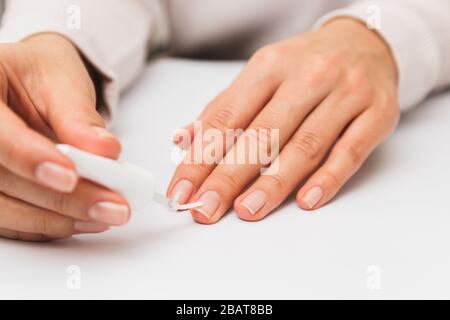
(418, 33)
(114, 36)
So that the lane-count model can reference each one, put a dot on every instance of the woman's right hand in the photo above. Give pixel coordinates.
(48, 97)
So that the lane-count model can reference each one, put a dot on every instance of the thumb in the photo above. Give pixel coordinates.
(76, 121)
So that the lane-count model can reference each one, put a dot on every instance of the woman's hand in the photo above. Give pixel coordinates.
(47, 96)
(330, 96)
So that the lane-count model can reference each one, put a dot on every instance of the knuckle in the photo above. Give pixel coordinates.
(323, 69)
(202, 169)
(194, 171)
(47, 223)
(277, 181)
(197, 169)
(323, 63)
(332, 179)
(355, 78)
(226, 177)
(354, 151)
(265, 125)
(307, 143)
(59, 202)
(356, 86)
(222, 119)
(269, 55)
(42, 224)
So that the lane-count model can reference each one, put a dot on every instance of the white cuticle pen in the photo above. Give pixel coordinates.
(136, 184)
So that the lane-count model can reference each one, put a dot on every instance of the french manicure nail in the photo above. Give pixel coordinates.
(211, 201)
(103, 133)
(255, 201)
(182, 191)
(110, 213)
(90, 227)
(313, 196)
(56, 177)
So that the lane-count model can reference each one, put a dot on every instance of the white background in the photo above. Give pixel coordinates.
(385, 236)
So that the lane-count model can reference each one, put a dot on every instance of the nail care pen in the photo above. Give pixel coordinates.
(136, 184)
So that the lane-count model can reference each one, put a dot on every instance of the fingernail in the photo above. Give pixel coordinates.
(89, 227)
(255, 201)
(182, 191)
(56, 177)
(103, 133)
(313, 196)
(110, 213)
(211, 201)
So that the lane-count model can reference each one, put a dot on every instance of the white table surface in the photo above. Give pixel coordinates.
(391, 222)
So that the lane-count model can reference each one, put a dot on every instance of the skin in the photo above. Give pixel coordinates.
(47, 96)
(332, 93)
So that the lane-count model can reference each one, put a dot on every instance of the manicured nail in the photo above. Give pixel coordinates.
(110, 213)
(211, 201)
(56, 177)
(182, 191)
(313, 196)
(255, 201)
(103, 133)
(90, 227)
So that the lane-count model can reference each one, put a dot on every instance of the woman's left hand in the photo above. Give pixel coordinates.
(331, 97)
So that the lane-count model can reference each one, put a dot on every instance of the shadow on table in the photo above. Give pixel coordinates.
(111, 245)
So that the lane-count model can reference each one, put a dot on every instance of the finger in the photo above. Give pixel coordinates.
(273, 126)
(347, 156)
(28, 237)
(304, 151)
(88, 202)
(72, 114)
(258, 71)
(233, 109)
(23, 217)
(31, 156)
